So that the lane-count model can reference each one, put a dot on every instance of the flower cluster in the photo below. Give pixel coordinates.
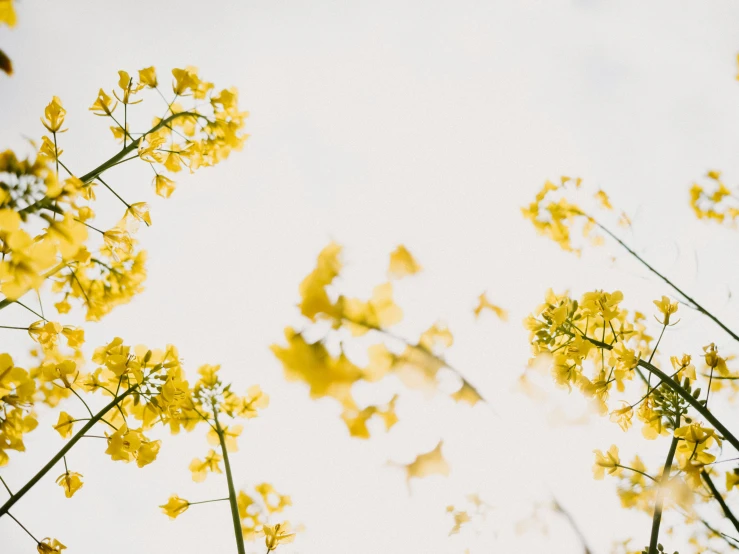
(328, 374)
(715, 201)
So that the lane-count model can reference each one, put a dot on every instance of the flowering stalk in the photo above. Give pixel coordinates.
(91, 175)
(66, 448)
(675, 386)
(657, 519)
(231, 489)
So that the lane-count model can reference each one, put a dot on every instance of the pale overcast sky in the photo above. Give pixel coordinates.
(426, 123)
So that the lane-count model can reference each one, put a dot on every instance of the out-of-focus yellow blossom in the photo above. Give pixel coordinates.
(245, 406)
(46, 333)
(312, 363)
(623, 416)
(210, 463)
(163, 186)
(175, 506)
(718, 204)
(653, 420)
(402, 263)
(428, 463)
(732, 479)
(484, 304)
(713, 360)
(602, 197)
(315, 299)
(7, 13)
(696, 440)
(71, 482)
(683, 366)
(467, 393)
(230, 434)
(273, 501)
(356, 420)
(608, 462)
(379, 312)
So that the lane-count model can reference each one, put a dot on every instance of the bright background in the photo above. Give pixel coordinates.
(424, 123)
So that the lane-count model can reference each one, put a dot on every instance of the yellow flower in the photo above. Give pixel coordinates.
(275, 535)
(104, 104)
(71, 482)
(64, 425)
(428, 463)
(606, 462)
(126, 83)
(602, 197)
(210, 463)
(50, 546)
(127, 445)
(140, 212)
(402, 263)
(163, 186)
(230, 434)
(54, 115)
(666, 308)
(149, 147)
(148, 77)
(185, 80)
(147, 452)
(683, 366)
(623, 416)
(175, 506)
(732, 479)
(696, 440)
(63, 306)
(713, 360)
(7, 13)
(602, 303)
(45, 333)
(75, 337)
(484, 304)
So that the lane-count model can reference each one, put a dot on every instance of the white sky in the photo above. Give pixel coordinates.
(377, 123)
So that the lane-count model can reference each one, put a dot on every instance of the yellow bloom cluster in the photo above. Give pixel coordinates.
(104, 269)
(416, 364)
(598, 347)
(715, 202)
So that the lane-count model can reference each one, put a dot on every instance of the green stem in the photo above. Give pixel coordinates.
(717, 495)
(694, 303)
(7, 488)
(657, 519)
(24, 528)
(30, 310)
(558, 508)
(207, 501)
(91, 175)
(59, 455)
(636, 471)
(231, 490)
(700, 408)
